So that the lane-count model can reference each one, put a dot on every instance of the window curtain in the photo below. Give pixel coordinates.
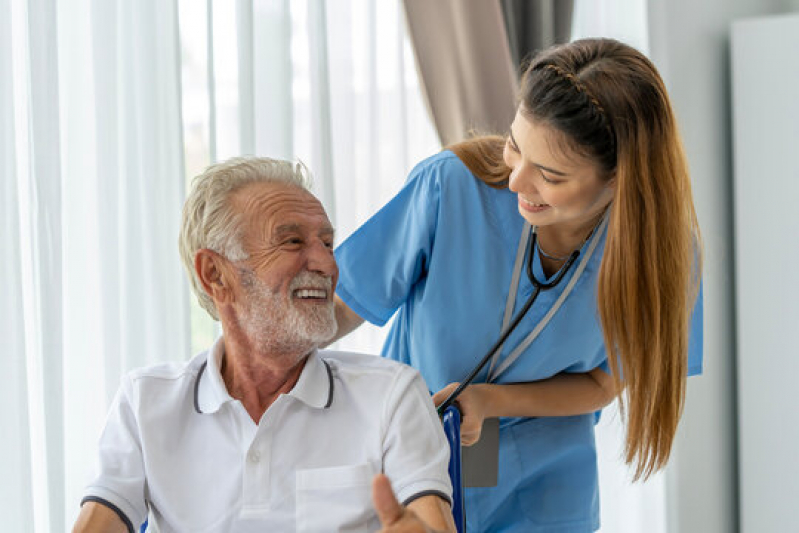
(464, 60)
(106, 107)
(536, 24)
(91, 190)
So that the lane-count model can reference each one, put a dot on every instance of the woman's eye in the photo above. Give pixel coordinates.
(549, 180)
(512, 145)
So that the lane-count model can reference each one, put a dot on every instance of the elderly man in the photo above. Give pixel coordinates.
(263, 432)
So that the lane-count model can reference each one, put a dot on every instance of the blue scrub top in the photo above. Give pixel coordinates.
(441, 254)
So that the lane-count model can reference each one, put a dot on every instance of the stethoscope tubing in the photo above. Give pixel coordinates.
(537, 288)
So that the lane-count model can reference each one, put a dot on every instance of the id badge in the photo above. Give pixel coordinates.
(480, 462)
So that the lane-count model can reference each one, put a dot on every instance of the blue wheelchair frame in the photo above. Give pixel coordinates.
(451, 421)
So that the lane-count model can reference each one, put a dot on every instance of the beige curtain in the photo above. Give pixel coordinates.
(469, 52)
(465, 65)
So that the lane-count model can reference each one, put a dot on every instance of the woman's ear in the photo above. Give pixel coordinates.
(611, 180)
(213, 276)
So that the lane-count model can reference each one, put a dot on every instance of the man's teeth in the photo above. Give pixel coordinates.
(310, 293)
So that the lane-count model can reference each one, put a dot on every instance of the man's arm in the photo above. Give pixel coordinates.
(423, 515)
(97, 518)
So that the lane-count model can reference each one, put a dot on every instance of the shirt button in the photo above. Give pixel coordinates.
(254, 456)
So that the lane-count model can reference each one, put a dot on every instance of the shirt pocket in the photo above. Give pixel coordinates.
(336, 498)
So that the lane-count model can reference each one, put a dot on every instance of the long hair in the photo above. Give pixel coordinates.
(611, 105)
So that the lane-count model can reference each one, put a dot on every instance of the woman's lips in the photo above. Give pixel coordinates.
(532, 207)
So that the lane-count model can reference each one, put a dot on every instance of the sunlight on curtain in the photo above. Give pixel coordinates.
(15, 452)
(625, 20)
(625, 508)
(92, 165)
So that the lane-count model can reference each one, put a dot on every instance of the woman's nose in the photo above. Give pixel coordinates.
(521, 180)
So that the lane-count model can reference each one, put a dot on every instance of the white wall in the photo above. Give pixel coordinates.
(766, 138)
(689, 42)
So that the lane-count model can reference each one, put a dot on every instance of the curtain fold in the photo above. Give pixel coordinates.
(465, 65)
(15, 454)
(45, 222)
(272, 76)
(321, 121)
(92, 187)
(534, 25)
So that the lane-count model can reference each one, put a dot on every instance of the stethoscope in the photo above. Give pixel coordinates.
(538, 286)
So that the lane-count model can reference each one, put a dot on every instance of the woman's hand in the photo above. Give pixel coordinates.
(472, 404)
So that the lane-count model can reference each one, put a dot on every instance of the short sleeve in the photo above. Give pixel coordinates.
(119, 481)
(696, 335)
(381, 262)
(415, 450)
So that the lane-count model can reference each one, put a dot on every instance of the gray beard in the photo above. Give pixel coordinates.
(274, 324)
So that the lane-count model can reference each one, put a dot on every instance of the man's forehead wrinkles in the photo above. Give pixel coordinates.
(283, 229)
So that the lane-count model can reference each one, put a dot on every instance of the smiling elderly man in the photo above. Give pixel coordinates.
(264, 432)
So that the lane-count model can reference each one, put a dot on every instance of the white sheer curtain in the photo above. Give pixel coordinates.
(92, 186)
(626, 507)
(105, 107)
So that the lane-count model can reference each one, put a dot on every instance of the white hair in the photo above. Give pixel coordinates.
(209, 220)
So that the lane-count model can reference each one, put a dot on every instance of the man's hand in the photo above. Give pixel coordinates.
(394, 518)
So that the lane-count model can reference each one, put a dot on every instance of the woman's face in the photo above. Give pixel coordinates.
(555, 185)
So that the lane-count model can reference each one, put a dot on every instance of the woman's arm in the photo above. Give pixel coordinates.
(561, 395)
(347, 319)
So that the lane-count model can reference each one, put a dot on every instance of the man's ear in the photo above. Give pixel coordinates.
(214, 276)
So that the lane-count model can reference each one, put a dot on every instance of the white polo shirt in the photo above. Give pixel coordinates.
(178, 444)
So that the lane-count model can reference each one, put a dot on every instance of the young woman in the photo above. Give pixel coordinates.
(591, 165)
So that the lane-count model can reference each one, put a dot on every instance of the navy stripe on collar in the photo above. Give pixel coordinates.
(330, 379)
(197, 388)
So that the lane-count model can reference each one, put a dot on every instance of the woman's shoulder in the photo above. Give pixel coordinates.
(444, 165)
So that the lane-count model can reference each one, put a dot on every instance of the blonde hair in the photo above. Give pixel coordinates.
(611, 105)
(210, 221)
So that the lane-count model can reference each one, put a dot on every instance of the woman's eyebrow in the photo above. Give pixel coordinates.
(542, 167)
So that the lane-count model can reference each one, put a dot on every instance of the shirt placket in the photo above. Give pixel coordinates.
(256, 461)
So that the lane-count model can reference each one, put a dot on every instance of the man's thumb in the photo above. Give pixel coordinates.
(388, 508)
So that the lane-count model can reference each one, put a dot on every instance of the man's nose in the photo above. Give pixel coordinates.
(322, 260)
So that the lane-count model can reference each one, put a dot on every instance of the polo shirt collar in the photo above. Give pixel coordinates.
(210, 392)
(314, 386)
